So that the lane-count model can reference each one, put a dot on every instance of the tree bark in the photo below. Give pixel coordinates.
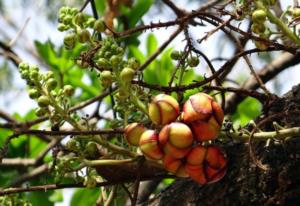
(245, 183)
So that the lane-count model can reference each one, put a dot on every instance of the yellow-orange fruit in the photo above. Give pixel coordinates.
(177, 134)
(174, 166)
(149, 145)
(133, 133)
(197, 155)
(163, 109)
(204, 116)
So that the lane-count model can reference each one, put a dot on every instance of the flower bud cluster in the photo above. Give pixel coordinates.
(43, 89)
(179, 142)
(192, 61)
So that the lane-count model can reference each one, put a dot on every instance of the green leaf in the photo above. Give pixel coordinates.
(138, 11)
(56, 196)
(85, 197)
(152, 44)
(36, 146)
(247, 110)
(39, 198)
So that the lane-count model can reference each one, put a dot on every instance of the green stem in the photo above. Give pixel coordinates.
(94, 163)
(139, 104)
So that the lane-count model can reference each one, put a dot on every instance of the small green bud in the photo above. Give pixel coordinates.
(193, 61)
(63, 10)
(296, 12)
(69, 90)
(84, 35)
(107, 54)
(43, 101)
(90, 182)
(55, 118)
(175, 55)
(68, 19)
(90, 22)
(40, 112)
(34, 75)
(123, 94)
(106, 78)
(102, 62)
(99, 26)
(91, 149)
(74, 11)
(115, 60)
(23, 66)
(79, 18)
(258, 28)
(51, 84)
(24, 74)
(61, 27)
(70, 40)
(33, 93)
(259, 16)
(127, 74)
(34, 68)
(72, 145)
(49, 75)
(120, 50)
(260, 45)
(134, 63)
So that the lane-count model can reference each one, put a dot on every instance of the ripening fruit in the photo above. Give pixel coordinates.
(259, 16)
(43, 101)
(197, 155)
(127, 74)
(203, 115)
(178, 153)
(175, 166)
(149, 145)
(163, 109)
(196, 172)
(133, 133)
(79, 18)
(177, 134)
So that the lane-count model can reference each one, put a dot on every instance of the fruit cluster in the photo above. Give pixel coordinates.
(179, 144)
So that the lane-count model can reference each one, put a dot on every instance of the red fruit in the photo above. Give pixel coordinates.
(196, 172)
(163, 109)
(133, 133)
(204, 116)
(174, 151)
(149, 145)
(174, 166)
(197, 155)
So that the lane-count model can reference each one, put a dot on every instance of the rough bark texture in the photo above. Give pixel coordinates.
(246, 184)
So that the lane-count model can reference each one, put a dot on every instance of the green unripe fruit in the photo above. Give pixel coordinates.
(40, 112)
(90, 22)
(33, 93)
(120, 50)
(296, 12)
(123, 93)
(259, 16)
(127, 74)
(51, 84)
(74, 11)
(133, 63)
(69, 90)
(70, 40)
(258, 28)
(102, 62)
(84, 35)
(34, 75)
(99, 26)
(79, 18)
(115, 60)
(193, 61)
(43, 101)
(107, 54)
(106, 78)
(34, 68)
(175, 55)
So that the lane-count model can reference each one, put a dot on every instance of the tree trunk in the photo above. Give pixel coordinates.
(245, 183)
